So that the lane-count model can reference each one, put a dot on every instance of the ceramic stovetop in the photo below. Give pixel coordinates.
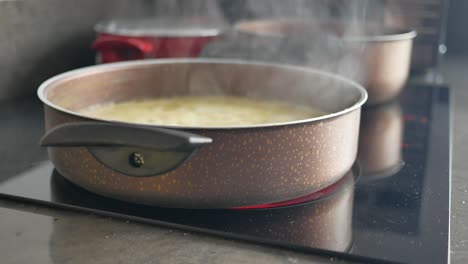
(392, 207)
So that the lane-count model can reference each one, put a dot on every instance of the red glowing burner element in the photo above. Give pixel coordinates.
(303, 199)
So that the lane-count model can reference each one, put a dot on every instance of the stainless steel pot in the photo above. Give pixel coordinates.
(200, 167)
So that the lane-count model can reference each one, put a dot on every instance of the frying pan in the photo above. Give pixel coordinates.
(201, 167)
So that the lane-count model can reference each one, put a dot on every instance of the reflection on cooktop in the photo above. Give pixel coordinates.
(396, 211)
(323, 223)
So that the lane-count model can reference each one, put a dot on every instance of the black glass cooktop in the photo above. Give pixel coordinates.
(392, 207)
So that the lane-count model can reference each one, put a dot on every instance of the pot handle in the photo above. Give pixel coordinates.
(128, 149)
(109, 46)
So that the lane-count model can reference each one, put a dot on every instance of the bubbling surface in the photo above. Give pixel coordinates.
(202, 111)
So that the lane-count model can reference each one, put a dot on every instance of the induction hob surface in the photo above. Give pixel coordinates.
(393, 206)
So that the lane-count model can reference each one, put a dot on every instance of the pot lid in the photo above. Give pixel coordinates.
(162, 27)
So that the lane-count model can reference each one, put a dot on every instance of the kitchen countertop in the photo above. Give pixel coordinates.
(37, 234)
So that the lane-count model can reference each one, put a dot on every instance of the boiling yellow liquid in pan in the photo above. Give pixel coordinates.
(202, 111)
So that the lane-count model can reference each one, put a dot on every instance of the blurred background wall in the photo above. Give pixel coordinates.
(457, 27)
(40, 38)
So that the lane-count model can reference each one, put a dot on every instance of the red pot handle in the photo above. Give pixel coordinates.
(116, 48)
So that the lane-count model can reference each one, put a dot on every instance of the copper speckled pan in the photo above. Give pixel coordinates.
(381, 136)
(384, 53)
(201, 167)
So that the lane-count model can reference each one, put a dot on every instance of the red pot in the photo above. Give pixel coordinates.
(122, 40)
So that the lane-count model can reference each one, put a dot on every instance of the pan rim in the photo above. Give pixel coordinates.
(77, 73)
(402, 33)
(104, 27)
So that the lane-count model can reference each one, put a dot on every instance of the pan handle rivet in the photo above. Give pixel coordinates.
(136, 159)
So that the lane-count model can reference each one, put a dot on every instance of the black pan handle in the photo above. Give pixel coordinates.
(128, 149)
(115, 134)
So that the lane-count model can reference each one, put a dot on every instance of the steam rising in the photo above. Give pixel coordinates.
(320, 41)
